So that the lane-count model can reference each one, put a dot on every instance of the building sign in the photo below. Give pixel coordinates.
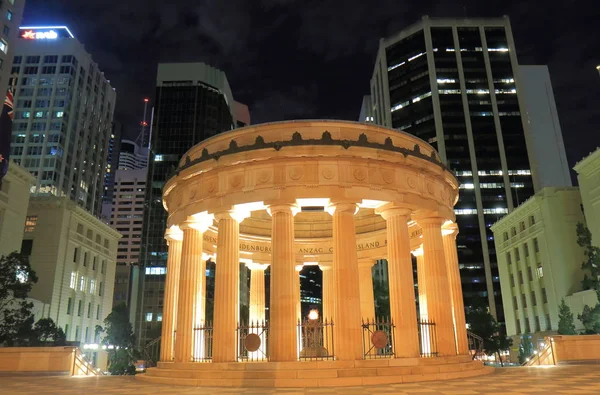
(44, 32)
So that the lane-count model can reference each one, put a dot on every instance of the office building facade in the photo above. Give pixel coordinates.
(126, 217)
(193, 102)
(454, 84)
(63, 116)
(14, 199)
(539, 261)
(74, 256)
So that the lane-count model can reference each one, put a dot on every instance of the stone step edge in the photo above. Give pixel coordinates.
(322, 382)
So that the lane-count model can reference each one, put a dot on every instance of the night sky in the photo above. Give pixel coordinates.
(290, 59)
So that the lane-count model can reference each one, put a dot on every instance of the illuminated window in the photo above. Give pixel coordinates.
(399, 106)
(148, 317)
(159, 317)
(421, 97)
(30, 222)
(58, 114)
(540, 272)
(156, 271)
(3, 46)
(159, 158)
(446, 81)
(73, 282)
(81, 283)
(449, 91)
(92, 286)
(9, 15)
(465, 211)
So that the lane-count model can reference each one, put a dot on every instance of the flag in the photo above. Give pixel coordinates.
(6, 119)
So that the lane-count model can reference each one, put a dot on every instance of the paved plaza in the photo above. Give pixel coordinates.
(583, 379)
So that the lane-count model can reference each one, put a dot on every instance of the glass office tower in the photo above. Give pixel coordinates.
(453, 83)
(193, 102)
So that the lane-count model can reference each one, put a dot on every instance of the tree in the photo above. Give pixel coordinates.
(16, 280)
(590, 316)
(119, 340)
(566, 326)
(46, 331)
(525, 348)
(591, 265)
(483, 324)
(381, 295)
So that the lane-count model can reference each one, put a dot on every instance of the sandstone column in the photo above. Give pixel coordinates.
(284, 284)
(191, 255)
(367, 298)
(401, 283)
(421, 282)
(227, 278)
(439, 301)
(347, 323)
(328, 303)
(298, 294)
(458, 310)
(174, 237)
(257, 292)
(257, 306)
(328, 286)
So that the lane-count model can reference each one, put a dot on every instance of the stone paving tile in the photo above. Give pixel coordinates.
(576, 380)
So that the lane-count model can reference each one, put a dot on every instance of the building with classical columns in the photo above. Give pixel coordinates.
(332, 194)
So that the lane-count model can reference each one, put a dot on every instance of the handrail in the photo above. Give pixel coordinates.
(80, 363)
(541, 355)
(475, 343)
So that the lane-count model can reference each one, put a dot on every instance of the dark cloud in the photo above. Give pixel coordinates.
(312, 58)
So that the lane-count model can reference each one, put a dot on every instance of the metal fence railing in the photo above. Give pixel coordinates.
(315, 340)
(378, 338)
(203, 341)
(427, 339)
(253, 341)
(475, 345)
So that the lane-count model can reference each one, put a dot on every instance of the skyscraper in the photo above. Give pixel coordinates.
(547, 155)
(63, 116)
(11, 13)
(454, 83)
(193, 101)
(112, 159)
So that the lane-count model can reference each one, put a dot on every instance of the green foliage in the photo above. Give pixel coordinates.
(119, 334)
(16, 280)
(590, 316)
(47, 332)
(483, 324)
(591, 265)
(382, 299)
(525, 348)
(566, 326)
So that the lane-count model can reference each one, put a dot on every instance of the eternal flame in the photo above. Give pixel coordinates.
(340, 195)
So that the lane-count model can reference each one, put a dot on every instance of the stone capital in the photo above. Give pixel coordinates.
(348, 207)
(434, 221)
(418, 251)
(173, 233)
(199, 222)
(238, 216)
(366, 262)
(283, 208)
(257, 266)
(450, 229)
(389, 212)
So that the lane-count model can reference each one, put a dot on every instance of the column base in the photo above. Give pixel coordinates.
(314, 373)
